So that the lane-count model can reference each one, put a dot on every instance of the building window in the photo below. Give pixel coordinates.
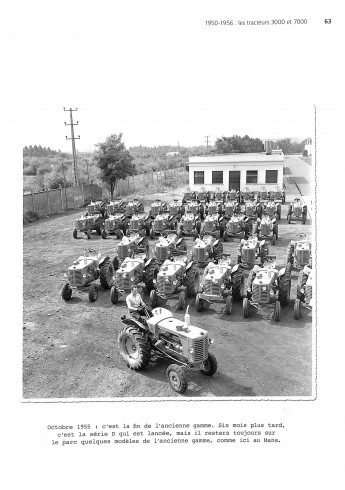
(217, 177)
(198, 177)
(271, 176)
(252, 177)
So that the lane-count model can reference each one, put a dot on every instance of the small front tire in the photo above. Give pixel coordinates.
(93, 293)
(210, 365)
(177, 378)
(182, 300)
(228, 305)
(114, 295)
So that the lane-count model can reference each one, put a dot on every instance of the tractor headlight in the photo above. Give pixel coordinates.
(210, 341)
(302, 290)
(124, 275)
(191, 350)
(84, 275)
(166, 279)
(222, 286)
(206, 254)
(132, 279)
(174, 283)
(65, 275)
(154, 281)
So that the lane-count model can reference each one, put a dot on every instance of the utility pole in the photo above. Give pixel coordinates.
(64, 182)
(73, 138)
(87, 168)
(207, 137)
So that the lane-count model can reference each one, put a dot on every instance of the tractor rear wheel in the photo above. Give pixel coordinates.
(114, 295)
(198, 303)
(238, 284)
(182, 300)
(217, 250)
(150, 274)
(277, 311)
(289, 254)
(245, 308)
(297, 309)
(177, 378)
(93, 293)
(210, 365)
(66, 291)
(104, 233)
(192, 279)
(304, 218)
(106, 274)
(228, 305)
(75, 233)
(289, 218)
(98, 230)
(284, 286)
(153, 298)
(88, 234)
(134, 347)
(116, 263)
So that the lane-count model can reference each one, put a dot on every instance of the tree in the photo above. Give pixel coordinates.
(114, 161)
(245, 144)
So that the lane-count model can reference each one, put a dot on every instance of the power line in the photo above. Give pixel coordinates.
(73, 138)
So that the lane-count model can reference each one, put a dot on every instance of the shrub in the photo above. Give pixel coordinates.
(30, 217)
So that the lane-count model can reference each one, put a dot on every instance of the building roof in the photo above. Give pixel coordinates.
(239, 158)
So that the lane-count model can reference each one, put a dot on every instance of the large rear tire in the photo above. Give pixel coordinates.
(228, 305)
(238, 284)
(192, 279)
(104, 234)
(153, 298)
(119, 234)
(134, 347)
(284, 287)
(225, 236)
(182, 300)
(114, 295)
(210, 365)
(106, 274)
(177, 378)
(75, 233)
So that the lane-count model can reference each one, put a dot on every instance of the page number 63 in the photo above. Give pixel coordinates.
(328, 21)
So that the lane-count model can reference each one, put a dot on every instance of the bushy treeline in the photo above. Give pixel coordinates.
(38, 151)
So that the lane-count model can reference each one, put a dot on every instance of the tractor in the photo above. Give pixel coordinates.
(188, 196)
(238, 226)
(263, 195)
(175, 277)
(133, 270)
(169, 246)
(277, 196)
(252, 210)
(206, 249)
(272, 209)
(158, 331)
(162, 224)
(247, 195)
(115, 225)
(195, 208)
(202, 196)
(130, 246)
(190, 225)
(218, 196)
(266, 228)
(87, 223)
(97, 207)
(299, 252)
(176, 209)
(212, 225)
(133, 207)
(304, 291)
(297, 211)
(233, 195)
(114, 207)
(156, 208)
(138, 224)
(266, 284)
(214, 207)
(251, 250)
(85, 271)
(222, 283)
(229, 208)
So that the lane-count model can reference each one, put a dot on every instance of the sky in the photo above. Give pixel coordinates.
(159, 75)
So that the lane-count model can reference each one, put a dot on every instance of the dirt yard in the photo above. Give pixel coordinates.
(70, 348)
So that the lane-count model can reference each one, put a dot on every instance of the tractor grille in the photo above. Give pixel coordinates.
(297, 211)
(308, 293)
(302, 256)
(218, 196)
(265, 228)
(200, 349)
(211, 288)
(250, 209)
(80, 225)
(232, 196)
(248, 255)
(229, 210)
(158, 225)
(129, 210)
(233, 227)
(188, 225)
(122, 282)
(270, 211)
(208, 225)
(161, 253)
(212, 209)
(110, 225)
(173, 210)
(134, 225)
(261, 294)
(123, 251)
(163, 286)
(193, 209)
(75, 278)
(199, 254)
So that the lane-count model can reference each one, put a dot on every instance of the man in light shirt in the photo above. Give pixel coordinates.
(135, 303)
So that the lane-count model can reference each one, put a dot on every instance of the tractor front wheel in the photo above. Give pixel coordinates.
(245, 308)
(93, 293)
(152, 234)
(238, 284)
(66, 292)
(75, 233)
(182, 300)
(104, 234)
(88, 234)
(228, 305)
(198, 303)
(225, 236)
(297, 309)
(114, 295)
(210, 365)
(116, 263)
(119, 234)
(134, 347)
(277, 311)
(289, 218)
(284, 287)
(274, 239)
(176, 378)
(153, 298)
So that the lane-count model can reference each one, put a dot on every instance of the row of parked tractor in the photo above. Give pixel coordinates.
(205, 273)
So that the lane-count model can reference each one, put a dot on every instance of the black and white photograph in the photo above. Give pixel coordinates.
(172, 203)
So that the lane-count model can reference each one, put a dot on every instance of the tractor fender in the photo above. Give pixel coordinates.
(179, 241)
(190, 264)
(281, 272)
(221, 218)
(216, 242)
(135, 323)
(152, 259)
(234, 269)
(102, 260)
(262, 243)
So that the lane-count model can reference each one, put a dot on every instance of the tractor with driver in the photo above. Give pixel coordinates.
(233, 195)
(129, 246)
(159, 332)
(188, 196)
(202, 196)
(247, 195)
(297, 211)
(189, 225)
(84, 273)
(230, 208)
(206, 249)
(304, 291)
(238, 226)
(266, 285)
(252, 210)
(176, 277)
(220, 283)
(194, 207)
(136, 270)
(266, 229)
(214, 207)
(169, 246)
(299, 252)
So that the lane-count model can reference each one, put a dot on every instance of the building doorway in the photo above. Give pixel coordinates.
(234, 180)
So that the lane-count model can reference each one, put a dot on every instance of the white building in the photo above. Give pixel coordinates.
(237, 171)
(308, 146)
(172, 154)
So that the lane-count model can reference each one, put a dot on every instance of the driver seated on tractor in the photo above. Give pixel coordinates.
(135, 304)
